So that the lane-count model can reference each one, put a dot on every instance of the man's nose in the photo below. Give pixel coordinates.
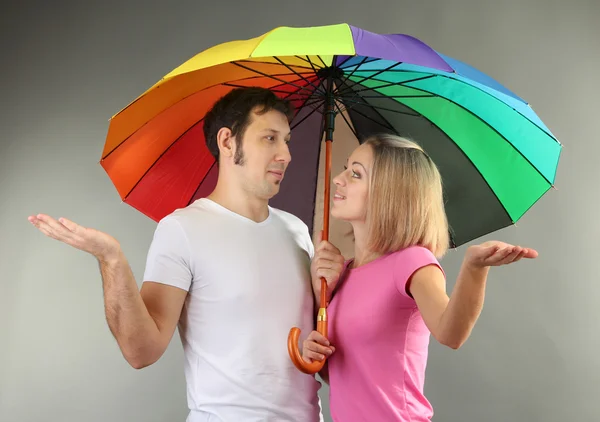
(284, 154)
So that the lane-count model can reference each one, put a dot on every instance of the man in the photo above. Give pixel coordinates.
(232, 272)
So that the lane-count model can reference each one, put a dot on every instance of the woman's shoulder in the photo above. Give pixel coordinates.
(414, 252)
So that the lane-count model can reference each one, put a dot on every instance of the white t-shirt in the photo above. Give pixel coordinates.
(248, 284)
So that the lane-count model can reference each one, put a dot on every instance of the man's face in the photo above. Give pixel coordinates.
(264, 156)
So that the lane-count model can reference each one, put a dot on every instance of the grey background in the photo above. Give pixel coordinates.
(68, 66)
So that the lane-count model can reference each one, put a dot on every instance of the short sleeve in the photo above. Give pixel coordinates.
(168, 260)
(407, 262)
(310, 247)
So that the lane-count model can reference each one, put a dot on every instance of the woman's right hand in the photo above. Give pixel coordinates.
(316, 347)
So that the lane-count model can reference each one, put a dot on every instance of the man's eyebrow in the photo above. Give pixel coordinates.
(275, 131)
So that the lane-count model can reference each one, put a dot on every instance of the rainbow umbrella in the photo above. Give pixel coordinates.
(496, 156)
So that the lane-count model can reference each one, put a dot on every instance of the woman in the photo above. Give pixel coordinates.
(392, 294)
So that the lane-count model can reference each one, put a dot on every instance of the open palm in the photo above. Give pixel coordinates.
(92, 241)
(496, 253)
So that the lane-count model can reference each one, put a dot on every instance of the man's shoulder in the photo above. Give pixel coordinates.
(192, 213)
(298, 229)
(289, 219)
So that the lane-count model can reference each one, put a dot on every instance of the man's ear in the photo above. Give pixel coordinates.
(225, 142)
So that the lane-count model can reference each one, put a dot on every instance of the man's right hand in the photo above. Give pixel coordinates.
(101, 245)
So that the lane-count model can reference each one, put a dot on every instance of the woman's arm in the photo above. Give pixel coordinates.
(451, 319)
(317, 347)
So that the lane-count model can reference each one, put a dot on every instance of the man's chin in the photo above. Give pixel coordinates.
(271, 191)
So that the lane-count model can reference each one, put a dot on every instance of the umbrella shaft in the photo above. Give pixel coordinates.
(327, 196)
(329, 117)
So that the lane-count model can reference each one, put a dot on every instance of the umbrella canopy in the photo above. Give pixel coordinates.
(496, 156)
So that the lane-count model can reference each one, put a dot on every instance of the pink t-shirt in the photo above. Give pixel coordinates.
(377, 372)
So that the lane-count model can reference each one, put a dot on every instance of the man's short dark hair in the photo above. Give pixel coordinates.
(234, 110)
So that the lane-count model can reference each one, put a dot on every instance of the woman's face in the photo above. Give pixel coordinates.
(352, 186)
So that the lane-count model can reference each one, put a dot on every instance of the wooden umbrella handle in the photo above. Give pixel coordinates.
(294, 337)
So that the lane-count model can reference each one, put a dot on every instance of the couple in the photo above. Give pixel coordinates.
(234, 275)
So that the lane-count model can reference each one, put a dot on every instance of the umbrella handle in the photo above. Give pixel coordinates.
(294, 337)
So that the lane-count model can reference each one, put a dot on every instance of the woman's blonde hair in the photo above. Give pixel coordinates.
(406, 204)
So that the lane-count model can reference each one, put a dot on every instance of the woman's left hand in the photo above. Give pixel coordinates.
(495, 253)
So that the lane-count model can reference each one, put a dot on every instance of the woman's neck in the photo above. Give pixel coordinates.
(362, 254)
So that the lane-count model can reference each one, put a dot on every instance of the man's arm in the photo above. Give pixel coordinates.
(142, 322)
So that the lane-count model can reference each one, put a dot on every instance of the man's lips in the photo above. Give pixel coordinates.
(277, 173)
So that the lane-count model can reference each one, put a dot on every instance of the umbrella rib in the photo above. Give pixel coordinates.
(488, 125)
(370, 60)
(150, 167)
(341, 112)
(181, 99)
(315, 109)
(380, 108)
(309, 61)
(386, 125)
(375, 109)
(469, 160)
(363, 88)
(215, 162)
(378, 73)
(307, 81)
(351, 126)
(322, 61)
(279, 91)
(386, 85)
(308, 95)
(161, 155)
(473, 86)
(312, 64)
(269, 63)
(200, 184)
(304, 104)
(399, 96)
(270, 89)
(268, 76)
(355, 69)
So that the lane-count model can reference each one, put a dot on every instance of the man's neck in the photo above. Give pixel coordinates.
(240, 202)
